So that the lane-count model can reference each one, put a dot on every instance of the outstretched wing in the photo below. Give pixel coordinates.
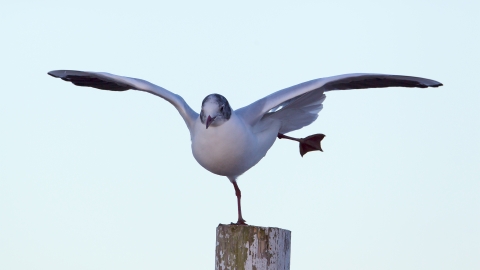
(107, 81)
(298, 106)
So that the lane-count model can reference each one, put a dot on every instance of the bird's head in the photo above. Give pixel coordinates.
(215, 110)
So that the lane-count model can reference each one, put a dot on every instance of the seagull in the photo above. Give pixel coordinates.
(229, 142)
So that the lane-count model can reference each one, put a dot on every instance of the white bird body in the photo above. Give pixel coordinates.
(222, 149)
(232, 148)
(228, 142)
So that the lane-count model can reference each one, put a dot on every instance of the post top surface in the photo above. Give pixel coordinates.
(233, 226)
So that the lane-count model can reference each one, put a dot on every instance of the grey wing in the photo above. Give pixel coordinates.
(299, 105)
(107, 81)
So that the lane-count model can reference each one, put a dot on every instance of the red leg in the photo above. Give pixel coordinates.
(283, 136)
(238, 193)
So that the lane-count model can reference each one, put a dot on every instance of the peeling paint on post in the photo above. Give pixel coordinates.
(252, 248)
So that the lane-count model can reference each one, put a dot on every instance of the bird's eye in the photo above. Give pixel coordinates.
(221, 108)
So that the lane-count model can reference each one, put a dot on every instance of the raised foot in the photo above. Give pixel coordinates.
(311, 143)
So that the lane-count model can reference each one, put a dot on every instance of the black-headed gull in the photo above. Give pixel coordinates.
(229, 142)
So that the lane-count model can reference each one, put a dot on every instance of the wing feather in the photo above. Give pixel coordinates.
(298, 105)
(107, 81)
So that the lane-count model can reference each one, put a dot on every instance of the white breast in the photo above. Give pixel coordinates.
(228, 150)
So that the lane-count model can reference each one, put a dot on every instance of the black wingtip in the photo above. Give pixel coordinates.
(56, 73)
(434, 83)
(90, 79)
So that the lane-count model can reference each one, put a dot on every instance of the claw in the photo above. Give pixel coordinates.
(239, 222)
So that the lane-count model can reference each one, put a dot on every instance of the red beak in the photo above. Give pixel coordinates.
(210, 120)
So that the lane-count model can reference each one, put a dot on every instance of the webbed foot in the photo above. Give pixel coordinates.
(308, 144)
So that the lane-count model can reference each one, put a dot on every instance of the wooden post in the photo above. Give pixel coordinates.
(252, 248)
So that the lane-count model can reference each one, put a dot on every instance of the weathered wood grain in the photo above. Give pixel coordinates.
(252, 248)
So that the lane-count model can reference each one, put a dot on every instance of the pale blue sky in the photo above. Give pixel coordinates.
(93, 179)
